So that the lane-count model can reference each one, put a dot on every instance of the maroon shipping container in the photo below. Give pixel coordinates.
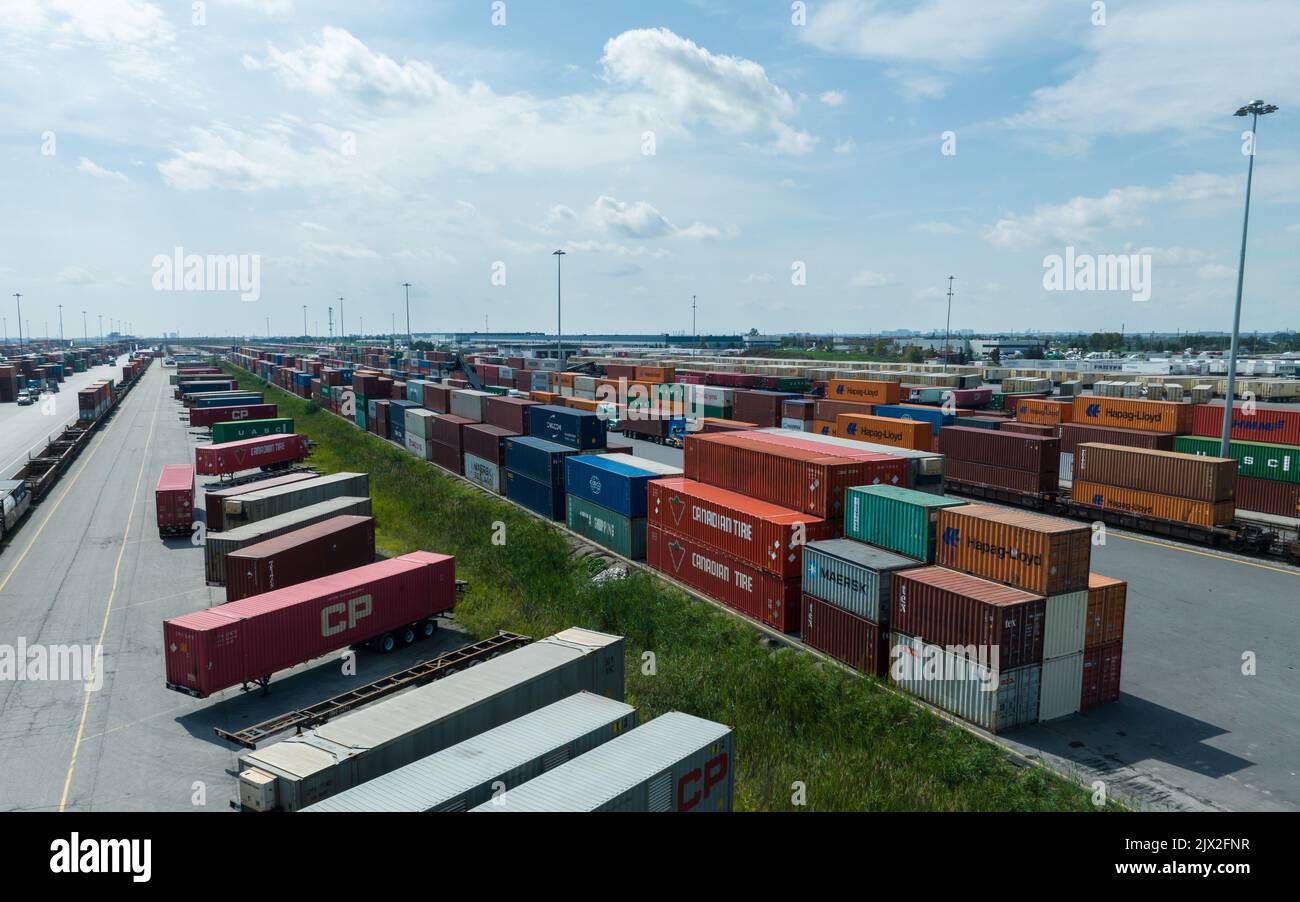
(1028, 429)
(828, 410)
(1107, 604)
(1101, 675)
(948, 608)
(761, 407)
(379, 426)
(753, 592)
(1268, 496)
(801, 409)
(437, 398)
(845, 636)
(232, 457)
(446, 430)
(510, 414)
(762, 534)
(1075, 434)
(1267, 424)
(1026, 481)
(207, 416)
(487, 442)
(447, 457)
(1001, 449)
(1162, 472)
(174, 500)
(248, 641)
(331, 546)
(214, 502)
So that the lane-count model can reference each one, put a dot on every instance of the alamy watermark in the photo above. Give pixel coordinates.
(1103, 272)
(215, 272)
(52, 663)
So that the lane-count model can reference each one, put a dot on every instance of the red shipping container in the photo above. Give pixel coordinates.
(1000, 448)
(1026, 481)
(331, 546)
(1102, 667)
(758, 533)
(1268, 496)
(507, 413)
(174, 500)
(216, 460)
(447, 457)
(1266, 424)
(755, 593)
(763, 408)
(828, 410)
(1075, 434)
(486, 442)
(790, 439)
(214, 502)
(446, 430)
(248, 641)
(1107, 602)
(945, 607)
(1029, 429)
(379, 424)
(845, 636)
(437, 398)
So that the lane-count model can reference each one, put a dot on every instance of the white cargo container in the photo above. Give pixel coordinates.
(1062, 686)
(644, 463)
(995, 700)
(1064, 624)
(468, 403)
(483, 472)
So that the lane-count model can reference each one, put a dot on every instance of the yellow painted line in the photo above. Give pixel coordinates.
(1209, 554)
(103, 628)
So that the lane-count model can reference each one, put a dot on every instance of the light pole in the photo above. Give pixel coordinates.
(343, 333)
(84, 328)
(20, 318)
(559, 330)
(1254, 111)
(304, 321)
(694, 334)
(407, 286)
(948, 328)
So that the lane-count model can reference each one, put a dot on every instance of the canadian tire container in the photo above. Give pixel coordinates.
(253, 639)
(742, 587)
(1257, 460)
(324, 548)
(1107, 602)
(217, 545)
(1043, 555)
(173, 500)
(885, 431)
(955, 609)
(537, 459)
(845, 636)
(1268, 496)
(1062, 687)
(540, 497)
(239, 430)
(210, 416)
(1001, 449)
(578, 429)
(1266, 424)
(484, 473)
(622, 535)
(1029, 482)
(1149, 504)
(1161, 472)
(1167, 417)
(214, 501)
(902, 520)
(271, 502)
(997, 700)
(216, 460)
(487, 442)
(1075, 434)
(853, 576)
(1102, 667)
(863, 391)
(761, 534)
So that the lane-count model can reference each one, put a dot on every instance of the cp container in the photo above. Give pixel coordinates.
(249, 641)
(1075, 434)
(1160, 472)
(1101, 675)
(1268, 496)
(1255, 459)
(610, 529)
(853, 576)
(217, 545)
(210, 416)
(262, 504)
(1167, 417)
(173, 500)
(1043, 555)
(1107, 601)
(613, 485)
(322, 549)
(543, 498)
(902, 520)
(1264, 424)
(845, 636)
(995, 700)
(240, 430)
(885, 431)
(1149, 504)
(578, 429)
(483, 473)
(1001, 449)
(863, 391)
(216, 460)
(214, 500)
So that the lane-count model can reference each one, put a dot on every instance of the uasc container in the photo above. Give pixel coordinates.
(1255, 459)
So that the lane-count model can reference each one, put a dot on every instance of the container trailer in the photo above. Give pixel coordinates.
(322, 549)
(217, 545)
(262, 504)
(275, 451)
(174, 500)
(210, 416)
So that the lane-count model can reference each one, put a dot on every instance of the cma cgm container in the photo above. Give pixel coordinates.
(1107, 601)
(1255, 459)
(613, 485)
(381, 737)
(271, 502)
(997, 700)
(1149, 504)
(1161, 472)
(1264, 424)
(248, 641)
(322, 549)
(210, 416)
(1043, 555)
(217, 460)
(742, 587)
(676, 762)
(474, 771)
(240, 430)
(174, 500)
(217, 545)
(765, 535)
(624, 535)
(902, 520)
(1168, 417)
(214, 500)
(578, 429)
(1075, 434)
(845, 636)
(853, 576)
(1001, 449)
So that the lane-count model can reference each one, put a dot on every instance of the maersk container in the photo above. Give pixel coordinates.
(566, 426)
(1258, 460)
(539, 497)
(322, 549)
(239, 430)
(217, 545)
(852, 576)
(260, 505)
(537, 459)
(385, 735)
(902, 520)
(613, 485)
(997, 700)
(935, 416)
(610, 529)
(1061, 691)
(677, 762)
(480, 768)
(484, 473)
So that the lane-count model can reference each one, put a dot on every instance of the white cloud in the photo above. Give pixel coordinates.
(832, 98)
(1293, 227)
(269, 7)
(341, 65)
(75, 275)
(638, 220)
(1216, 271)
(99, 172)
(936, 228)
(762, 277)
(340, 251)
(868, 279)
(845, 147)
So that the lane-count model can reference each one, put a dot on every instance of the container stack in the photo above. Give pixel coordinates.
(1103, 645)
(607, 499)
(1025, 464)
(534, 476)
(1166, 485)
(1265, 442)
(446, 441)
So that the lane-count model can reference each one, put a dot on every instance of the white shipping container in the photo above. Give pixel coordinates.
(417, 446)
(468, 403)
(1065, 472)
(584, 383)
(483, 472)
(796, 425)
(1062, 687)
(420, 422)
(1064, 624)
(996, 701)
(584, 394)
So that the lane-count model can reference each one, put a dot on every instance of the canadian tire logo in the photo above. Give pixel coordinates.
(678, 508)
(239, 456)
(678, 554)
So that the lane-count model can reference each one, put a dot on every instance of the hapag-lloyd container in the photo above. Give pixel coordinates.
(912, 434)
(1001, 449)
(902, 520)
(863, 391)
(1062, 687)
(484, 473)
(1004, 626)
(1101, 675)
(216, 460)
(214, 501)
(845, 636)
(1045, 412)
(1268, 496)
(322, 549)
(624, 535)
(250, 640)
(1150, 504)
(753, 592)
(486, 442)
(853, 576)
(210, 416)
(271, 502)
(1107, 600)
(173, 500)
(997, 700)
(217, 545)
(1168, 417)
(1075, 434)
(1163, 472)
(764, 535)
(1257, 459)
(1264, 424)
(1043, 555)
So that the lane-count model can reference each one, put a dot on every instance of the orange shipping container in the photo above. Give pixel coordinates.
(1044, 412)
(863, 391)
(655, 374)
(581, 404)
(825, 427)
(1043, 555)
(1167, 417)
(913, 434)
(1149, 504)
(1107, 600)
(544, 397)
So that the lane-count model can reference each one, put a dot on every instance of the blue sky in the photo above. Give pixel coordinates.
(354, 147)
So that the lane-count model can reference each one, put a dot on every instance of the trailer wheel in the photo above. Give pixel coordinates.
(408, 635)
(428, 628)
(386, 643)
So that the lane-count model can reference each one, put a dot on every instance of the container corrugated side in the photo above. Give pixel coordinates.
(611, 529)
(1162, 472)
(1012, 450)
(1062, 687)
(1150, 504)
(214, 500)
(322, 549)
(1263, 424)
(1102, 668)
(1043, 555)
(1268, 496)
(1075, 434)
(217, 545)
(1259, 460)
(852, 576)
(902, 520)
(1107, 603)
(996, 700)
(1167, 417)
(271, 502)
(1028, 482)
(846, 637)
(1065, 624)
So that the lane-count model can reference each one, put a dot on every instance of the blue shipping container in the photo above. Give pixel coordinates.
(579, 429)
(229, 400)
(536, 496)
(612, 485)
(934, 416)
(397, 420)
(537, 459)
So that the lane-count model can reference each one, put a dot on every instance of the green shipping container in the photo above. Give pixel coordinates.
(1280, 463)
(238, 431)
(898, 519)
(717, 411)
(604, 527)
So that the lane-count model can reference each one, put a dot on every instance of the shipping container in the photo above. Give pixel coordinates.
(676, 762)
(1026, 482)
(241, 430)
(216, 460)
(936, 417)
(1268, 496)
(863, 391)
(902, 520)
(610, 484)
(476, 770)
(447, 428)
(610, 529)
(1161, 472)
(1001, 449)
(891, 431)
(1045, 412)
(761, 534)
(547, 499)
(1065, 623)
(1255, 459)
(829, 410)
(756, 593)
(846, 637)
(853, 576)
(1149, 504)
(322, 549)
(1075, 434)
(251, 507)
(173, 500)
(1022, 428)
(1062, 687)
(1264, 423)
(468, 403)
(996, 700)
(578, 429)
(446, 456)
(760, 407)
(381, 737)
(217, 545)
(538, 459)
(214, 499)
(249, 641)
(486, 442)
(1102, 667)
(659, 469)
(210, 416)
(509, 414)
(924, 468)
(484, 473)
(1043, 555)
(1107, 601)
(1167, 417)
